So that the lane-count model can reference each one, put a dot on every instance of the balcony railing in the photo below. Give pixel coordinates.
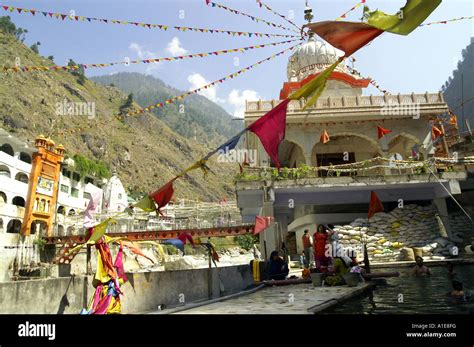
(367, 168)
(350, 102)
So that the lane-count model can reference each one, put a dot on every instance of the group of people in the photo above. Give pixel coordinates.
(329, 256)
(457, 292)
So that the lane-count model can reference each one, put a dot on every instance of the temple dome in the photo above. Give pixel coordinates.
(313, 55)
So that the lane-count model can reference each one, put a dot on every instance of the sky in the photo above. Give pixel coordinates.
(420, 62)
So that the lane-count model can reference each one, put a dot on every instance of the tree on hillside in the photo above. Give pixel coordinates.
(127, 104)
(459, 88)
(7, 26)
(35, 47)
(81, 77)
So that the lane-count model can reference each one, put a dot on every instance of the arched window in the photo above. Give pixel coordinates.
(40, 226)
(25, 157)
(1, 224)
(18, 201)
(7, 149)
(3, 197)
(70, 230)
(71, 212)
(21, 177)
(62, 210)
(61, 230)
(4, 171)
(42, 205)
(14, 226)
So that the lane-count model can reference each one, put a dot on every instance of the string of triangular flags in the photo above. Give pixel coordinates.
(344, 15)
(255, 19)
(73, 17)
(261, 3)
(120, 117)
(221, 80)
(372, 81)
(448, 21)
(143, 61)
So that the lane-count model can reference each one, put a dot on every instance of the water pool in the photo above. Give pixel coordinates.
(408, 294)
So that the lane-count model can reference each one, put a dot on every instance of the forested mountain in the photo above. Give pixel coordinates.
(200, 118)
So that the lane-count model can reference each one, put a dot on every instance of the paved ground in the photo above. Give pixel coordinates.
(292, 299)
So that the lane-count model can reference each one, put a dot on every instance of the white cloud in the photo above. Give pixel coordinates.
(142, 54)
(237, 100)
(175, 48)
(198, 81)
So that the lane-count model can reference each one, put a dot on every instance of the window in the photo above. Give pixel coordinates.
(3, 197)
(75, 192)
(21, 177)
(25, 157)
(7, 149)
(120, 196)
(87, 195)
(64, 188)
(18, 201)
(76, 177)
(89, 180)
(4, 171)
(14, 226)
(66, 173)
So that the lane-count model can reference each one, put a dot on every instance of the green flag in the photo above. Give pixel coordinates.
(146, 204)
(406, 20)
(315, 87)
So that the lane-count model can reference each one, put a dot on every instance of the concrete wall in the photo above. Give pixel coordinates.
(144, 291)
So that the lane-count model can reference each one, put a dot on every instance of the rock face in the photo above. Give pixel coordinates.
(401, 234)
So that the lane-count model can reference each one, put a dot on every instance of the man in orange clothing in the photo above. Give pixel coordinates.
(307, 246)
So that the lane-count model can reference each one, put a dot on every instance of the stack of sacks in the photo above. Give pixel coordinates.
(398, 235)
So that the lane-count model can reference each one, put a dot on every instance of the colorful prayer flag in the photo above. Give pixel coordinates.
(270, 129)
(315, 87)
(163, 195)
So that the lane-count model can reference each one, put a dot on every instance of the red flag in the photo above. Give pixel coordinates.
(261, 223)
(183, 237)
(347, 36)
(270, 129)
(324, 137)
(381, 132)
(435, 132)
(163, 195)
(375, 205)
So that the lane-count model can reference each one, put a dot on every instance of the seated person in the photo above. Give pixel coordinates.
(457, 291)
(278, 268)
(420, 268)
(341, 266)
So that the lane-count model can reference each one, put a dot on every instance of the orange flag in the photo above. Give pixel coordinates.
(435, 132)
(324, 137)
(375, 205)
(382, 132)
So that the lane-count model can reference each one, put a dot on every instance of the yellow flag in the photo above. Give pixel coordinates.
(315, 87)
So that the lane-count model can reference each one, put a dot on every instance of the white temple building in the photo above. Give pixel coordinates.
(351, 119)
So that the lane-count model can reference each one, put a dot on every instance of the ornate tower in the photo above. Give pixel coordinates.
(43, 187)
